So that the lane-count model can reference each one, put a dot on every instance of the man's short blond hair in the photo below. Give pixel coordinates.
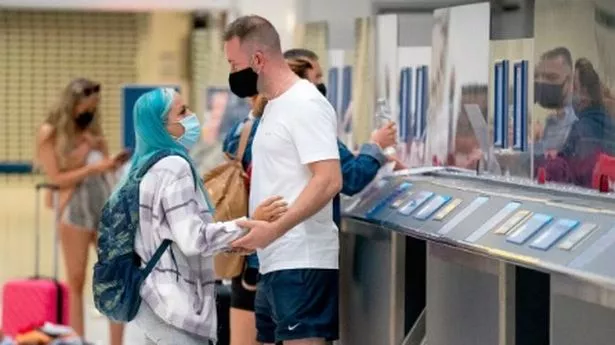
(255, 30)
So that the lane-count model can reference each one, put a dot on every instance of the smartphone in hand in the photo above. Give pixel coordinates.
(123, 157)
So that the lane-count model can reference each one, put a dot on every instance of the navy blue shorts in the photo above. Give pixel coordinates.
(297, 304)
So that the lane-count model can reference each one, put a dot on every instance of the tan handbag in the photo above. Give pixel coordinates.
(227, 189)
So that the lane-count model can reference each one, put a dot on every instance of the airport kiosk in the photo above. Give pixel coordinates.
(448, 257)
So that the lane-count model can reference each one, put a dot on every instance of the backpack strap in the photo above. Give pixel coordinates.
(153, 160)
(243, 140)
(156, 257)
(165, 243)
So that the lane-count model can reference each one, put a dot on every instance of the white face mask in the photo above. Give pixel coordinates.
(192, 131)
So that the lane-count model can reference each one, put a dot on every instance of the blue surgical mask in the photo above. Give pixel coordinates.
(192, 131)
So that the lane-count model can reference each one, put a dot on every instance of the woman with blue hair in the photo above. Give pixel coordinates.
(178, 302)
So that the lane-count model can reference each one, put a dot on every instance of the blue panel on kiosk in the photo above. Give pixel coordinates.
(554, 233)
(346, 96)
(381, 204)
(405, 91)
(500, 116)
(432, 206)
(421, 102)
(401, 200)
(520, 106)
(130, 94)
(529, 228)
(415, 202)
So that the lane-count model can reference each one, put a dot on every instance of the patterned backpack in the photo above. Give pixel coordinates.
(118, 274)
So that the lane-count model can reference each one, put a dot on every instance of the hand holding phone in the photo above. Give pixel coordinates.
(122, 157)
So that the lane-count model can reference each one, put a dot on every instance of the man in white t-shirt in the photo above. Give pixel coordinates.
(294, 155)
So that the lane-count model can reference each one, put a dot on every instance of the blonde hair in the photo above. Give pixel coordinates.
(300, 66)
(258, 105)
(62, 120)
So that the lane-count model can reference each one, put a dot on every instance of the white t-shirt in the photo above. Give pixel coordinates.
(297, 128)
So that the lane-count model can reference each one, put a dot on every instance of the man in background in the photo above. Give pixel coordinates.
(553, 91)
(553, 86)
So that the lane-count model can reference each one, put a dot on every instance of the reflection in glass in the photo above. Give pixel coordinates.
(572, 121)
(459, 77)
(553, 92)
(591, 135)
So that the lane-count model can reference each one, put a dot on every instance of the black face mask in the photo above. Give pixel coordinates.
(549, 96)
(243, 83)
(322, 88)
(84, 119)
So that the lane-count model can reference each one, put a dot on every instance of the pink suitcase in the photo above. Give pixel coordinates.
(29, 303)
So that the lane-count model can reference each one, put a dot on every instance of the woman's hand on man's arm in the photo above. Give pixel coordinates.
(271, 209)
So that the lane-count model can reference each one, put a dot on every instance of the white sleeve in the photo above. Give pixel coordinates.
(314, 131)
(193, 230)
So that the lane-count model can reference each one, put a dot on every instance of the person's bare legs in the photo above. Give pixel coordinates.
(116, 330)
(116, 333)
(243, 327)
(75, 246)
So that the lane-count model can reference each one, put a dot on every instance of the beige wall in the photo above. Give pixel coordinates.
(163, 52)
(313, 36)
(363, 80)
(161, 57)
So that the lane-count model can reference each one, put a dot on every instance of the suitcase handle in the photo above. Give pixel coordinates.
(55, 190)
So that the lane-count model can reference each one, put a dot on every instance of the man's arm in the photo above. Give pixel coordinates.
(313, 131)
(325, 183)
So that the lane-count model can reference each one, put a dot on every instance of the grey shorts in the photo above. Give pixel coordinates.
(158, 332)
(85, 205)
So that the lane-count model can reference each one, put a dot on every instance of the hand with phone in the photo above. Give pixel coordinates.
(111, 163)
(122, 157)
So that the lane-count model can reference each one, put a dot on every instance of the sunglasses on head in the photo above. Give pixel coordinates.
(91, 90)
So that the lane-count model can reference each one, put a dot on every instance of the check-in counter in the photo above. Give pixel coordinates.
(445, 257)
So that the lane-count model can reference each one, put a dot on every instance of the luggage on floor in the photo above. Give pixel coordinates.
(30, 302)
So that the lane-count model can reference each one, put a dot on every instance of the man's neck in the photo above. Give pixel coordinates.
(282, 78)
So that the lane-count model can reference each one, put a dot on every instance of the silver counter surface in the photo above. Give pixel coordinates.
(569, 231)
(477, 233)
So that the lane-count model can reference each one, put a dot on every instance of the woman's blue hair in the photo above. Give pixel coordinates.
(150, 119)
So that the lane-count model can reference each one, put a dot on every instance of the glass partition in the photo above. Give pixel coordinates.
(572, 123)
(539, 108)
(457, 121)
